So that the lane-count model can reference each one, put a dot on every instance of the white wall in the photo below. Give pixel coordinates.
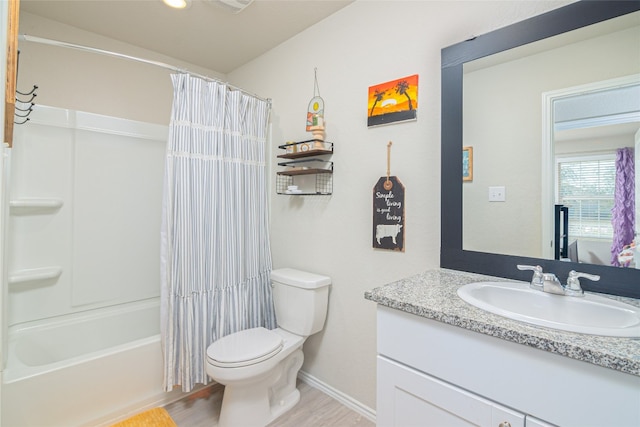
(367, 43)
(577, 147)
(94, 83)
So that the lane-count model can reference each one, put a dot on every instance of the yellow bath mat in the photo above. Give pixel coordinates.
(156, 417)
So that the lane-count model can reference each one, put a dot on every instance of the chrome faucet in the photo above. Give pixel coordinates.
(548, 282)
(573, 282)
(538, 276)
(551, 284)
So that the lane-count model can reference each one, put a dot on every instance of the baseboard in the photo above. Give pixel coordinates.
(346, 400)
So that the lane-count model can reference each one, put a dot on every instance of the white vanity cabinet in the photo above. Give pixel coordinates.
(434, 374)
(410, 398)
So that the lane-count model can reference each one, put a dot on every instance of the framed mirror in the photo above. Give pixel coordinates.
(530, 149)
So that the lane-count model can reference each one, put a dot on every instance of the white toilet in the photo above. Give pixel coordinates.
(258, 367)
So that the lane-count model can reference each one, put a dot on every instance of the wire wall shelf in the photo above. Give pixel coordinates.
(307, 172)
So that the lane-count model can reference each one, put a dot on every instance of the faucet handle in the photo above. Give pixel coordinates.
(535, 268)
(538, 276)
(573, 281)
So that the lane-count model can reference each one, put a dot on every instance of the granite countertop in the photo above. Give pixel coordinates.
(433, 295)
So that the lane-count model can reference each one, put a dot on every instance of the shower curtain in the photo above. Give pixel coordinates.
(215, 253)
(623, 212)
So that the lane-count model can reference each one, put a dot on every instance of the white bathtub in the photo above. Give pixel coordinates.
(84, 369)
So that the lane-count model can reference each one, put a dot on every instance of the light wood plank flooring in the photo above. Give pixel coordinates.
(315, 409)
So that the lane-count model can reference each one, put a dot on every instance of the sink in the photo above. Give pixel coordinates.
(591, 314)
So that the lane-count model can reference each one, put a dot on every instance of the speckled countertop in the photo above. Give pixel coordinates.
(433, 295)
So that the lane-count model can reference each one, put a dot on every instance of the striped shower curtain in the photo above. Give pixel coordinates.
(215, 253)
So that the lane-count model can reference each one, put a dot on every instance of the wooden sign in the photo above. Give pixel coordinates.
(388, 214)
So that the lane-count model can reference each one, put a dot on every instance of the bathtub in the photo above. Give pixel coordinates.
(89, 368)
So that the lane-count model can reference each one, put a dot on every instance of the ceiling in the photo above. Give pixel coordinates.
(204, 34)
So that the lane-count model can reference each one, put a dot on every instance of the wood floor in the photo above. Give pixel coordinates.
(315, 409)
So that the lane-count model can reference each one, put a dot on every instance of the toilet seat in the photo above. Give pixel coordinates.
(244, 348)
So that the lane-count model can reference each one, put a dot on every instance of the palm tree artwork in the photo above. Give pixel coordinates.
(379, 96)
(401, 89)
(393, 101)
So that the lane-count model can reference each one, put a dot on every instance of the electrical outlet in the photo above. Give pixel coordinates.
(497, 194)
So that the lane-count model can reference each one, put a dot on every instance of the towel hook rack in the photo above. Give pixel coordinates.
(23, 105)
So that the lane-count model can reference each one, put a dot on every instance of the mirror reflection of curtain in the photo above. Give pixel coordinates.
(623, 213)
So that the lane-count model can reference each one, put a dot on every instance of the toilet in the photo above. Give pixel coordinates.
(257, 366)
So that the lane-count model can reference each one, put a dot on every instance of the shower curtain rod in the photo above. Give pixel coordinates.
(58, 43)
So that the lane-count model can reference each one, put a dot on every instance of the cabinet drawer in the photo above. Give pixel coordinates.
(407, 397)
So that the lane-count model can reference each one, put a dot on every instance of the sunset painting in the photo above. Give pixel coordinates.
(393, 101)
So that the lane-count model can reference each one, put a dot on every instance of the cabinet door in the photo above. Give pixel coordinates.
(408, 398)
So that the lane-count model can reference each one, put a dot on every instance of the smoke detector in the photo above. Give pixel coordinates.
(234, 6)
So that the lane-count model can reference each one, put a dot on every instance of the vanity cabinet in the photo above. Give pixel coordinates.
(410, 398)
(431, 373)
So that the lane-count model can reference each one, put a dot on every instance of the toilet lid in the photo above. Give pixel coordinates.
(244, 348)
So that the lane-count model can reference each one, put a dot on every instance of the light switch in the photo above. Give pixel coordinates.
(497, 194)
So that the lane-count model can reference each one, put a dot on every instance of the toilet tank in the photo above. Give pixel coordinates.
(300, 300)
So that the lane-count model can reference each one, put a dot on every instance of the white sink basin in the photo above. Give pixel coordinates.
(591, 314)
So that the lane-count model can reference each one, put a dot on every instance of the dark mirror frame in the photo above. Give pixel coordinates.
(613, 280)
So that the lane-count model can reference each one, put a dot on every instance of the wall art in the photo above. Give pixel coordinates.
(393, 101)
(388, 210)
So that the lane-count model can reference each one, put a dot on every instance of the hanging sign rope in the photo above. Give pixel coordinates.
(388, 185)
(388, 210)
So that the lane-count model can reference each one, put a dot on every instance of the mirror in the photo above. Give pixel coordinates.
(591, 113)
(462, 126)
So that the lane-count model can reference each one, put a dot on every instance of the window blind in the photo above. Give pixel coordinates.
(586, 187)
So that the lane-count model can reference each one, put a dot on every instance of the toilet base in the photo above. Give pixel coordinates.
(285, 404)
(257, 403)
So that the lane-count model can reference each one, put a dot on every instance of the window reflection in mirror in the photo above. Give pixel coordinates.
(515, 144)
